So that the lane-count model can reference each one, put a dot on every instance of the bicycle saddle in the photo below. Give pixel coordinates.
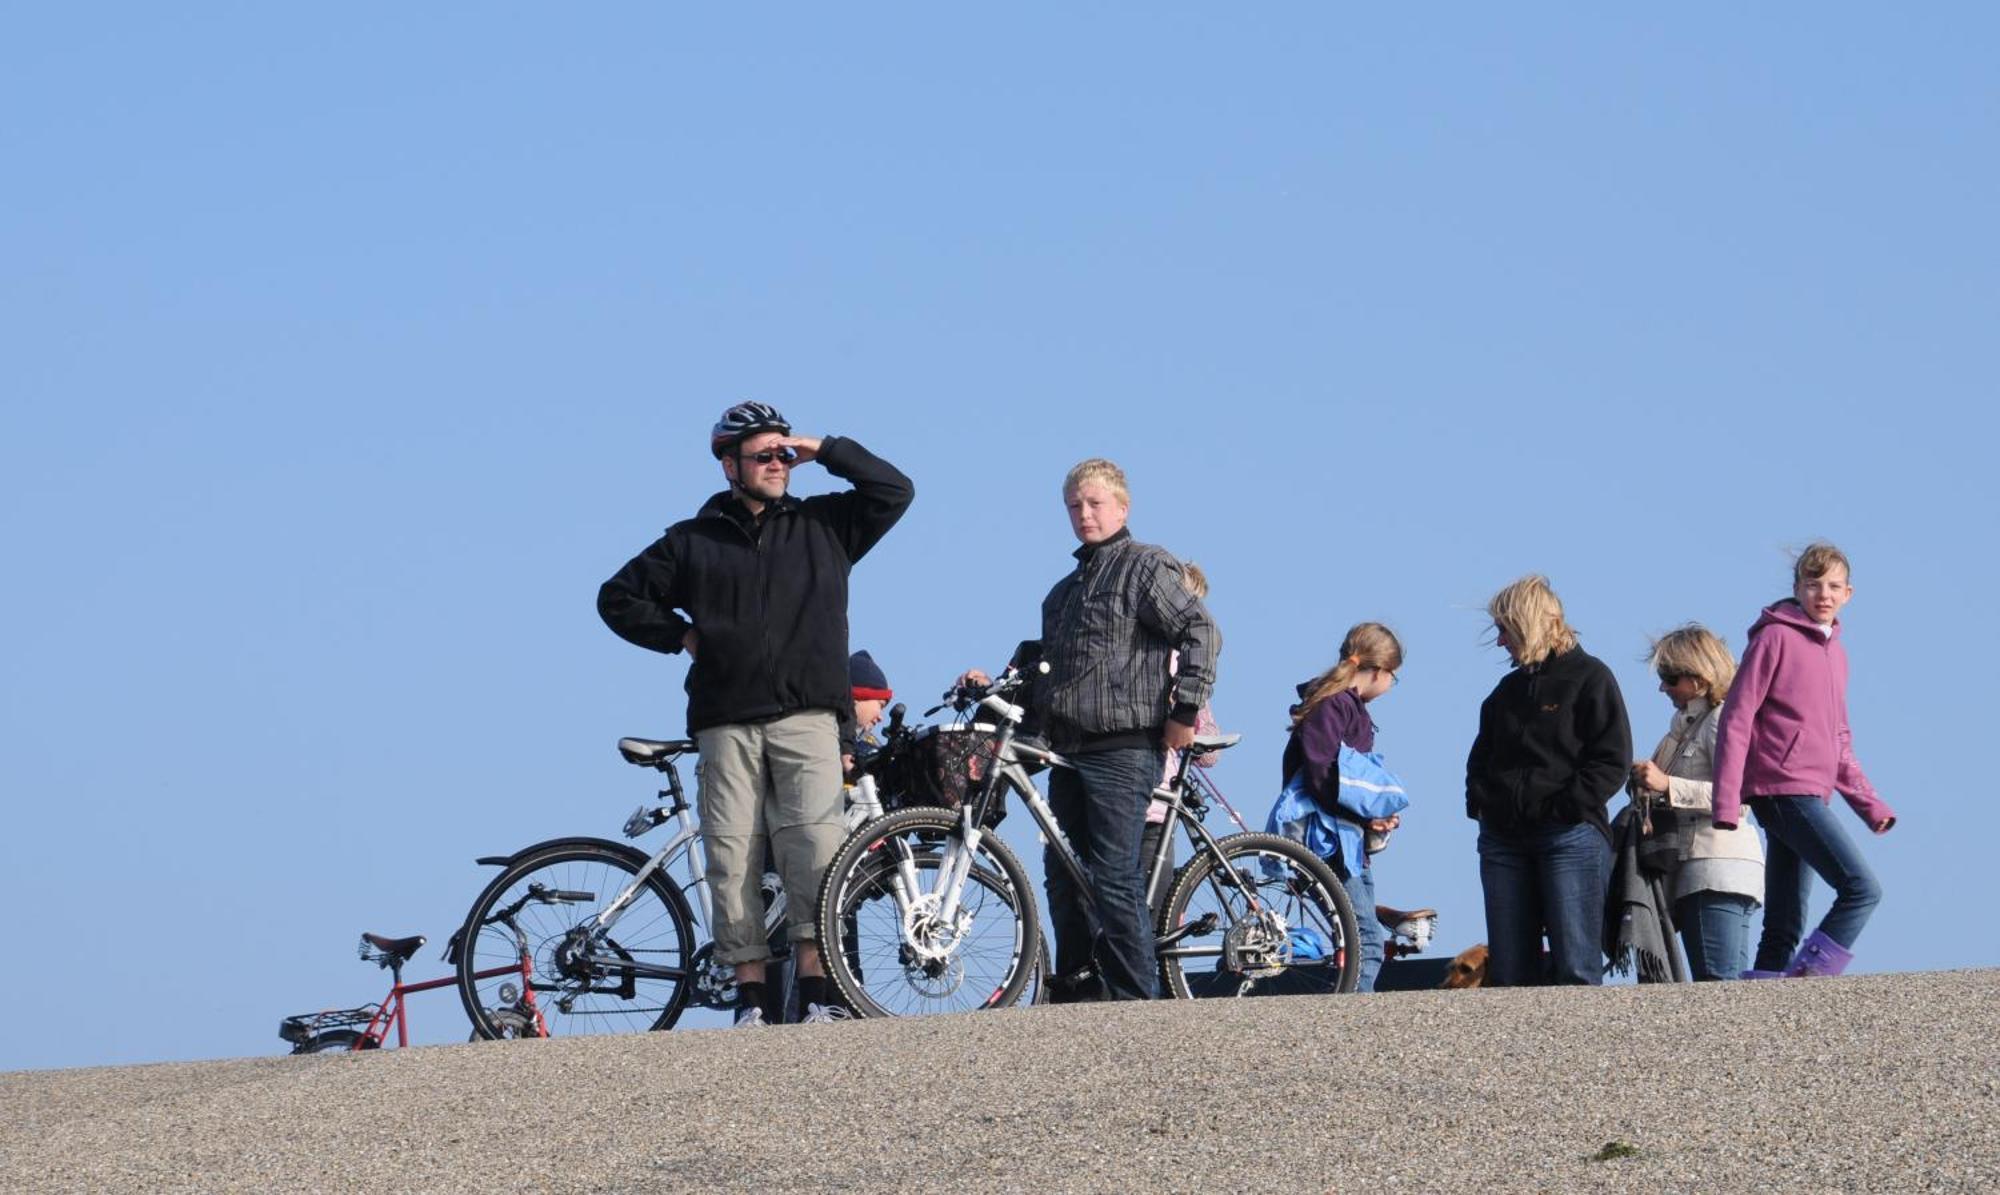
(653, 751)
(403, 949)
(1395, 917)
(1207, 744)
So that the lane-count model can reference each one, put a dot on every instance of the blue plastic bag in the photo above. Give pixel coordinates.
(1368, 790)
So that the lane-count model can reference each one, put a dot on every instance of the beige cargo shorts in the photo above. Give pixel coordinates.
(777, 783)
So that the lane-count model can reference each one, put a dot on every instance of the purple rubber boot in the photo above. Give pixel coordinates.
(1762, 975)
(1820, 957)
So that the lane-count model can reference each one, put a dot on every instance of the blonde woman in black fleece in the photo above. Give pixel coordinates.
(1554, 746)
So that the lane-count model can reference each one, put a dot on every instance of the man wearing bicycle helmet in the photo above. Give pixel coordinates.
(754, 588)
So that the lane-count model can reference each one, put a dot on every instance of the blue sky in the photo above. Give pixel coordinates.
(347, 352)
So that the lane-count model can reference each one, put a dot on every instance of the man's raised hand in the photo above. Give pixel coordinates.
(807, 447)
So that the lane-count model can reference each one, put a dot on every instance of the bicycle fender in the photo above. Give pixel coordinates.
(637, 856)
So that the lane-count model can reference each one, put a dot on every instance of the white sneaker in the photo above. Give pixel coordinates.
(820, 1014)
(749, 1018)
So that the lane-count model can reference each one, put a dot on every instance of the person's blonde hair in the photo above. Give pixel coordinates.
(1817, 559)
(1368, 645)
(1101, 471)
(1694, 650)
(1194, 580)
(1532, 616)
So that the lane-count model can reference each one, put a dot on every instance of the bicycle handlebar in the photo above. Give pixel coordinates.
(963, 697)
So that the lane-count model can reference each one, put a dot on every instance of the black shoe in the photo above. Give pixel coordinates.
(1082, 987)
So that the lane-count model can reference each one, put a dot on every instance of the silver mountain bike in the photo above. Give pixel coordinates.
(587, 935)
(927, 909)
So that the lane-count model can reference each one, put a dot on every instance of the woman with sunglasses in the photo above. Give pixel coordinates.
(1717, 878)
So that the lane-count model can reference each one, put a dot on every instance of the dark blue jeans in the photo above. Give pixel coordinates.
(1802, 833)
(1715, 928)
(1101, 807)
(1544, 878)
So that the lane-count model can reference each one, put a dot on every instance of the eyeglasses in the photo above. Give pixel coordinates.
(1673, 678)
(1394, 678)
(783, 456)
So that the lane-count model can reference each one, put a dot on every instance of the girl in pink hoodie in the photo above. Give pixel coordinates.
(1782, 747)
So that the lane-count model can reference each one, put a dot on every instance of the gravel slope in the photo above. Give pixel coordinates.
(1884, 1083)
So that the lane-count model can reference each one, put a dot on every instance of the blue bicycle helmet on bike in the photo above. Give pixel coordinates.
(1308, 945)
(743, 420)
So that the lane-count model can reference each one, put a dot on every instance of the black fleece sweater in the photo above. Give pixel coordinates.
(767, 596)
(1554, 746)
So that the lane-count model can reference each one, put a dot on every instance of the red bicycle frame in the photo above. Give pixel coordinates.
(328, 1029)
(393, 1011)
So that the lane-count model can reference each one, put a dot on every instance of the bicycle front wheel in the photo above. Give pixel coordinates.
(536, 954)
(888, 938)
(1259, 916)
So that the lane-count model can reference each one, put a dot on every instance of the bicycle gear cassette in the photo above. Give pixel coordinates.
(1257, 945)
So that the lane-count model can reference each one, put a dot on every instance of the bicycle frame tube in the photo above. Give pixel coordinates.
(526, 970)
(687, 838)
(1045, 820)
(396, 1009)
(1165, 849)
(391, 1012)
(607, 917)
(686, 843)
(864, 802)
(1173, 792)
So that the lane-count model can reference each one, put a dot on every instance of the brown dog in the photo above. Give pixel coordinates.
(1468, 968)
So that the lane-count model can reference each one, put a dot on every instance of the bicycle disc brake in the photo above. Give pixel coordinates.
(930, 947)
(1257, 945)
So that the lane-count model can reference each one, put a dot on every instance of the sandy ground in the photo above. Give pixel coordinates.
(1880, 1083)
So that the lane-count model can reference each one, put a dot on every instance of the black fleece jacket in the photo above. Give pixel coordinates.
(767, 595)
(1554, 746)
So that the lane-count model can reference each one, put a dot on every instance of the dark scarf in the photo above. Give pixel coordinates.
(1638, 925)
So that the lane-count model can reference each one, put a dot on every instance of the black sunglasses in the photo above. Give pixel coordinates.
(783, 456)
(1674, 678)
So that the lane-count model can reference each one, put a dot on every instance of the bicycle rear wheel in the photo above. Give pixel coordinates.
(579, 977)
(332, 1041)
(1266, 917)
(891, 951)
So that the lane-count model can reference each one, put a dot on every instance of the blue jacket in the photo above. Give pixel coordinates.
(1366, 790)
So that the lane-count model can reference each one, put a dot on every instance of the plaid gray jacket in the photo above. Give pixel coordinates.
(1109, 629)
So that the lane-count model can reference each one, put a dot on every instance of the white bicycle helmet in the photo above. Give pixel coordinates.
(745, 419)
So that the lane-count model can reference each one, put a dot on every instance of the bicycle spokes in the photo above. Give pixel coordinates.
(1256, 915)
(918, 919)
(597, 940)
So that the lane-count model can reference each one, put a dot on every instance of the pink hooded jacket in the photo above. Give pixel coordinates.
(1783, 730)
